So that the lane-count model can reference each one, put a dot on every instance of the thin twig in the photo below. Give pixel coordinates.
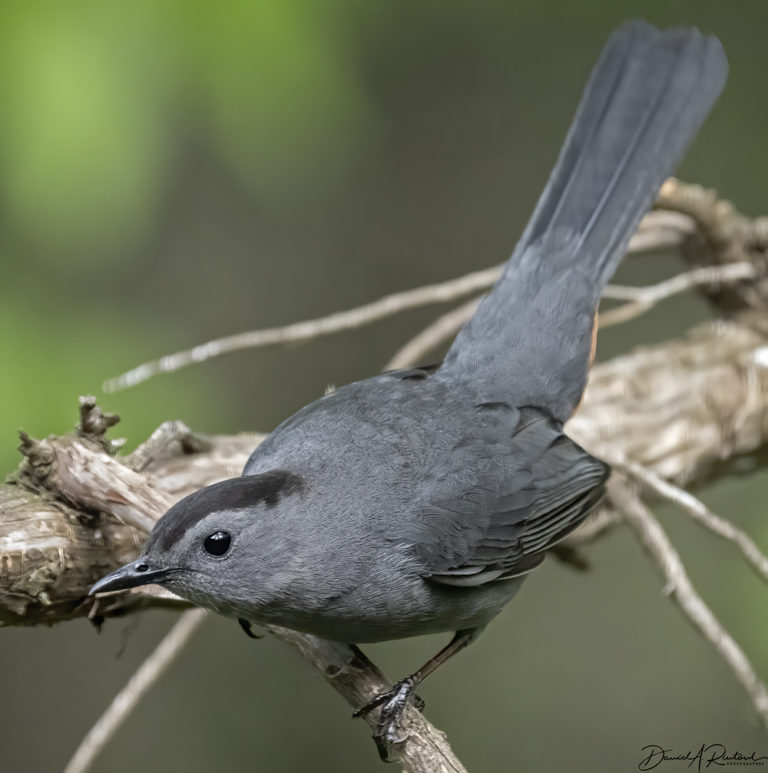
(644, 298)
(696, 277)
(135, 689)
(358, 681)
(441, 330)
(655, 540)
(313, 328)
(658, 230)
(697, 510)
(662, 229)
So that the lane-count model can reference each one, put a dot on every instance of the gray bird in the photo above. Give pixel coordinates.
(417, 501)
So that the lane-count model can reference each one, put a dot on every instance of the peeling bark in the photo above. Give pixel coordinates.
(686, 408)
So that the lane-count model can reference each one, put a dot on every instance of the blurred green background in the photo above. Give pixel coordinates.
(174, 171)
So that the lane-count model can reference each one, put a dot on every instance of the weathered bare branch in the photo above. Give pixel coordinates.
(697, 510)
(655, 540)
(358, 681)
(137, 686)
(57, 536)
(643, 299)
(658, 230)
(352, 675)
(682, 408)
(312, 328)
(443, 329)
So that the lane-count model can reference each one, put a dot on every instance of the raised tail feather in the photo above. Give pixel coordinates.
(529, 342)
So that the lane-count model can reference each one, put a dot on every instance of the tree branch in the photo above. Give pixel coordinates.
(344, 667)
(642, 299)
(137, 686)
(387, 306)
(443, 329)
(656, 542)
(698, 511)
(658, 230)
(358, 681)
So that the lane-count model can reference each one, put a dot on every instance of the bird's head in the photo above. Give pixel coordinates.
(215, 547)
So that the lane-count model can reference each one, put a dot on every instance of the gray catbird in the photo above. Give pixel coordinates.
(417, 501)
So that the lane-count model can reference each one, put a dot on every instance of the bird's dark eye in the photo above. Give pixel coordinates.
(217, 544)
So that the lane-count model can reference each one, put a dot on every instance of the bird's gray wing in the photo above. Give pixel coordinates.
(489, 531)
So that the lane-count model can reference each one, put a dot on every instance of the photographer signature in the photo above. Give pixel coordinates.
(707, 755)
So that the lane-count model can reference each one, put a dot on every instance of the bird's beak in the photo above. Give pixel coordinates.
(137, 573)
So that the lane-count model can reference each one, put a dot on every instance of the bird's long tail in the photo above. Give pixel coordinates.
(648, 94)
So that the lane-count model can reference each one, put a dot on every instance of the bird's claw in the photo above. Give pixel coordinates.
(389, 728)
(246, 626)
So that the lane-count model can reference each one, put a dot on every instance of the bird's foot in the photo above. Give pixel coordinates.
(389, 728)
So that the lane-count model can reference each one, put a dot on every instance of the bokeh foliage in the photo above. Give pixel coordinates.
(96, 100)
(95, 94)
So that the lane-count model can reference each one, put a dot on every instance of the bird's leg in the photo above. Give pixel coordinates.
(394, 702)
(246, 626)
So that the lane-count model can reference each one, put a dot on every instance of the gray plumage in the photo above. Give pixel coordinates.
(416, 501)
(648, 94)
